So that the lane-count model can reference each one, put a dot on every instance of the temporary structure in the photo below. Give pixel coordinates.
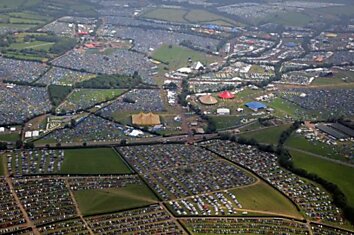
(208, 100)
(226, 95)
(146, 119)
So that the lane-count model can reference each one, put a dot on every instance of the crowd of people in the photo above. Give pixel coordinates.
(315, 202)
(61, 76)
(322, 101)
(92, 128)
(20, 70)
(146, 40)
(20, 103)
(35, 162)
(118, 62)
(141, 100)
(177, 171)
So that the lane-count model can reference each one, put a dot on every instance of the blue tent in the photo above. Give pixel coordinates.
(291, 44)
(255, 106)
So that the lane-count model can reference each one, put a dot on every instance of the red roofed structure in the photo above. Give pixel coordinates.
(226, 95)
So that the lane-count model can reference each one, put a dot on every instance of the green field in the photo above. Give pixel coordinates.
(13, 137)
(1, 166)
(290, 19)
(315, 147)
(175, 15)
(177, 57)
(262, 197)
(268, 135)
(97, 95)
(194, 16)
(111, 200)
(341, 175)
(93, 161)
(285, 108)
(224, 122)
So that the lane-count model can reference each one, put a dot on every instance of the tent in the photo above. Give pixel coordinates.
(226, 95)
(146, 119)
(255, 106)
(208, 100)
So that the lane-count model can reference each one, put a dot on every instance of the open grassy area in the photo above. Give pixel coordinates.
(341, 175)
(262, 197)
(290, 19)
(284, 108)
(167, 14)
(224, 122)
(93, 161)
(98, 95)
(196, 16)
(339, 78)
(12, 137)
(1, 166)
(315, 147)
(176, 56)
(268, 135)
(111, 200)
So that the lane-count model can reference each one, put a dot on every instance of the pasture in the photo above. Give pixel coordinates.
(93, 161)
(112, 200)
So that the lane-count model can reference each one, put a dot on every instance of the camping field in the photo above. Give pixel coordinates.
(341, 175)
(1, 166)
(93, 161)
(113, 200)
(263, 198)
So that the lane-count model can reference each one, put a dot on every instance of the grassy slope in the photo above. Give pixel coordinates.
(178, 56)
(341, 175)
(296, 141)
(93, 161)
(268, 136)
(262, 197)
(111, 200)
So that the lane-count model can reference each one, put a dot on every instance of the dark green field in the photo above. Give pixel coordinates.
(261, 197)
(112, 200)
(93, 161)
(268, 135)
(341, 175)
(13, 137)
(1, 166)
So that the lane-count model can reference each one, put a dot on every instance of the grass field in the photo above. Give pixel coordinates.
(342, 176)
(267, 135)
(97, 95)
(291, 19)
(262, 197)
(177, 56)
(93, 161)
(224, 122)
(111, 200)
(1, 166)
(339, 78)
(284, 108)
(315, 147)
(194, 16)
(13, 137)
